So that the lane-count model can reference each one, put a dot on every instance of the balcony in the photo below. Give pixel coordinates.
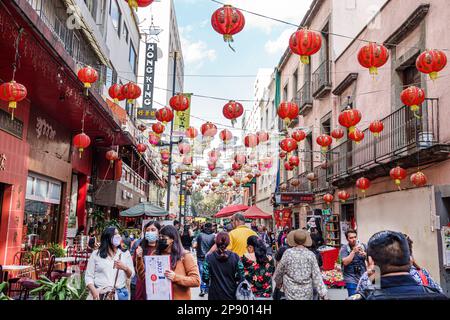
(321, 80)
(317, 186)
(304, 99)
(126, 193)
(405, 141)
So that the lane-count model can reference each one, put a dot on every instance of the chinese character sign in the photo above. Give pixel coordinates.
(182, 119)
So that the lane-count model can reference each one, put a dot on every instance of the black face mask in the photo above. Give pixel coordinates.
(162, 244)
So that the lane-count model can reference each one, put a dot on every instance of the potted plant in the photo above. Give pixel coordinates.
(63, 289)
(3, 296)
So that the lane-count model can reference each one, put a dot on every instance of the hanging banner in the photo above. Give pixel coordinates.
(147, 112)
(158, 287)
(183, 119)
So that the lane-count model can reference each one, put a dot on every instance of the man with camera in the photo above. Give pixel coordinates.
(353, 256)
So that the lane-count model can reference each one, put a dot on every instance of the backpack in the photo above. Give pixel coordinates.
(244, 291)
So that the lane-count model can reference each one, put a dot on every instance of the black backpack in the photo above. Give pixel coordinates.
(383, 294)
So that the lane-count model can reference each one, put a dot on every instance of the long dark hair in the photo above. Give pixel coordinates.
(144, 242)
(105, 242)
(177, 250)
(260, 249)
(222, 242)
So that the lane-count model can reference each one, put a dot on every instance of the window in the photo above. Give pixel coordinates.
(111, 77)
(116, 15)
(125, 32)
(132, 57)
(325, 123)
(91, 5)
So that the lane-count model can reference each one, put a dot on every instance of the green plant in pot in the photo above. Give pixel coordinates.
(3, 296)
(62, 289)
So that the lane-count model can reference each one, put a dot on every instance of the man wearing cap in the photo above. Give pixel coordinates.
(389, 251)
(298, 272)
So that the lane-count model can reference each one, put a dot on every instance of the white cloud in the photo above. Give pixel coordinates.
(287, 10)
(195, 52)
(280, 44)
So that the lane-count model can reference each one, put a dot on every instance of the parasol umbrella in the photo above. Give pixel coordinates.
(230, 210)
(145, 208)
(256, 213)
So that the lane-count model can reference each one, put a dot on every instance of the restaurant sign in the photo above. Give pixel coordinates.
(14, 127)
(294, 198)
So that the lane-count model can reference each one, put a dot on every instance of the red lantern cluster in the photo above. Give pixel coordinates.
(226, 136)
(419, 179)
(233, 110)
(251, 141)
(343, 196)
(141, 148)
(413, 97)
(191, 133)
(131, 91)
(164, 115)
(294, 161)
(337, 134)
(328, 198)
(431, 62)
(305, 43)
(288, 111)
(228, 21)
(179, 103)
(356, 135)
(12, 92)
(298, 135)
(349, 118)
(158, 128)
(373, 56)
(288, 145)
(88, 76)
(288, 166)
(115, 92)
(398, 174)
(153, 138)
(112, 156)
(376, 127)
(81, 141)
(363, 184)
(324, 141)
(208, 129)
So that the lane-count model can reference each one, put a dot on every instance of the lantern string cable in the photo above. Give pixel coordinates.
(16, 63)
(320, 31)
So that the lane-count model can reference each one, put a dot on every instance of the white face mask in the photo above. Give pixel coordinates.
(116, 240)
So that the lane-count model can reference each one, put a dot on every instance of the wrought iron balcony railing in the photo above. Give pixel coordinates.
(406, 140)
(321, 80)
(304, 98)
(133, 180)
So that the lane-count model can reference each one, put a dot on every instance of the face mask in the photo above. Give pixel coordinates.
(151, 236)
(116, 240)
(162, 244)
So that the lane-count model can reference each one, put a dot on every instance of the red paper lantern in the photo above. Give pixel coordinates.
(184, 148)
(165, 154)
(179, 103)
(419, 179)
(251, 141)
(153, 138)
(328, 198)
(191, 133)
(294, 161)
(337, 133)
(12, 92)
(231, 173)
(398, 174)
(282, 155)
(142, 127)
(263, 136)
(225, 135)
(240, 158)
(211, 166)
(81, 141)
(288, 145)
(298, 135)
(356, 135)
(164, 115)
(376, 127)
(236, 166)
(222, 180)
(131, 91)
(112, 156)
(288, 167)
(324, 141)
(187, 160)
(228, 21)
(349, 118)
(134, 4)
(158, 128)
(141, 148)
(198, 172)
(413, 97)
(343, 196)
(288, 111)
(305, 43)
(431, 62)
(373, 56)
(88, 76)
(208, 129)
(115, 92)
(363, 184)
(233, 110)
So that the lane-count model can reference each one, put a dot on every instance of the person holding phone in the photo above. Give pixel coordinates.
(353, 256)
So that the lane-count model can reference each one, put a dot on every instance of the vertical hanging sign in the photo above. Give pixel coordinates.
(183, 119)
(147, 112)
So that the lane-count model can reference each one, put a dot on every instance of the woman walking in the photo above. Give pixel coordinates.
(222, 270)
(147, 247)
(259, 268)
(298, 272)
(109, 268)
(184, 272)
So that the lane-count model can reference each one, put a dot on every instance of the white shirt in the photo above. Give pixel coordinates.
(101, 273)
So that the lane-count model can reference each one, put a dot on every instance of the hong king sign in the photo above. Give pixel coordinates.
(147, 111)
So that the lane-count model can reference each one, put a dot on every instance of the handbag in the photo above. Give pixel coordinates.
(244, 291)
(110, 294)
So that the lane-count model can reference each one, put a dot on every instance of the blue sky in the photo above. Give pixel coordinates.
(259, 45)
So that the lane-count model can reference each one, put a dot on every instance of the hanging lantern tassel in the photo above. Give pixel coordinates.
(228, 38)
(398, 182)
(12, 105)
(415, 109)
(80, 151)
(304, 59)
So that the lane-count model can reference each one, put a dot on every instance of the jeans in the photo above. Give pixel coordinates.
(351, 288)
(203, 286)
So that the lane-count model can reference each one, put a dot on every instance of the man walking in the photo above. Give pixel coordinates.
(203, 243)
(239, 235)
(264, 237)
(353, 257)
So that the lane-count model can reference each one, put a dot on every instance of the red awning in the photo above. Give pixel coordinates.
(230, 210)
(256, 213)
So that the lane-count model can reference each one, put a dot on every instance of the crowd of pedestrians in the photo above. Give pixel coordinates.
(237, 261)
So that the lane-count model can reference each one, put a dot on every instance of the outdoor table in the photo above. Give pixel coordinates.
(14, 268)
(65, 260)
